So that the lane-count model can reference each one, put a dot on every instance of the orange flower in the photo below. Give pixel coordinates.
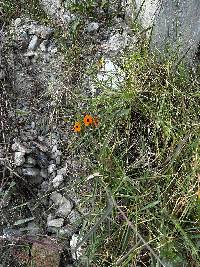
(77, 127)
(87, 120)
(96, 121)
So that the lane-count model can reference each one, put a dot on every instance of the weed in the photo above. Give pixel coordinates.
(147, 156)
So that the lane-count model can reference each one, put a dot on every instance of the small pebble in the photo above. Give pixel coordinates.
(51, 168)
(44, 173)
(31, 161)
(57, 181)
(33, 43)
(2, 74)
(65, 209)
(93, 26)
(19, 158)
(55, 223)
(17, 22)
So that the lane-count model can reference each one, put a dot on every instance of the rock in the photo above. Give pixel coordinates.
(31, 161)
(46, 58)
(42, 160)
(33, 43)
(67, 230)
(74, 217)
(58, 160)
(33, 125)
(45, 33)
(55, 223)
(43, 46)
(51, 168)
(93, 26)
(57, 181)
(64, 205)
(65, 208)
(55, 152)
(19, 158)
(57, 198)
(44, 173)
(33, 229)
(18, 22)
(62, 171)
(111, 74)
(2, 74)
(30, 55)
(44, 186)
(20, 148)
(73, 243)
(33, 174)
(118, 42)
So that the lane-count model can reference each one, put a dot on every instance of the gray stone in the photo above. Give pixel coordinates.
(33, 125)
(57, 181)
(57, 198)
(46, 58)
(33, 229)
(45, 186)
(18, 21)
(19, 158)
(43, 46)
(74, 217)
(31, 161)
(55, 223)
(33, 43)
(42, 160)
(176, 25)
(30, 54)
(17, 146)
(2, 74)
(62, 171)
(51, 168)
(65, 208)
(44, 173)
(33, 174)
(58, 160)
(46, 33)
(93, 26)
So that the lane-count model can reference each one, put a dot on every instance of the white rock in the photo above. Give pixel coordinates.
(58, 160)
(74, 217)
(51, 168)
(19, 158)
(33, 125)
(62, 171)
(57, 198)
(44, 173)
(43, 46)
(31, 161)
(55, 223)
(17, 22)
(57, 181)
(111, 74)
(33, 43)
(45, 33)
(19, 147)
(2, 74)
(65, 208)
(73, 243)
(93, 26)
(33, 174)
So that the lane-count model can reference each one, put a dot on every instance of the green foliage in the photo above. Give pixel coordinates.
(147, 155)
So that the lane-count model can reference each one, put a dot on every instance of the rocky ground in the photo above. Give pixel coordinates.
(41, 92)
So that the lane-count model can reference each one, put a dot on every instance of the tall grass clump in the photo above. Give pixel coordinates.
(144, 188)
